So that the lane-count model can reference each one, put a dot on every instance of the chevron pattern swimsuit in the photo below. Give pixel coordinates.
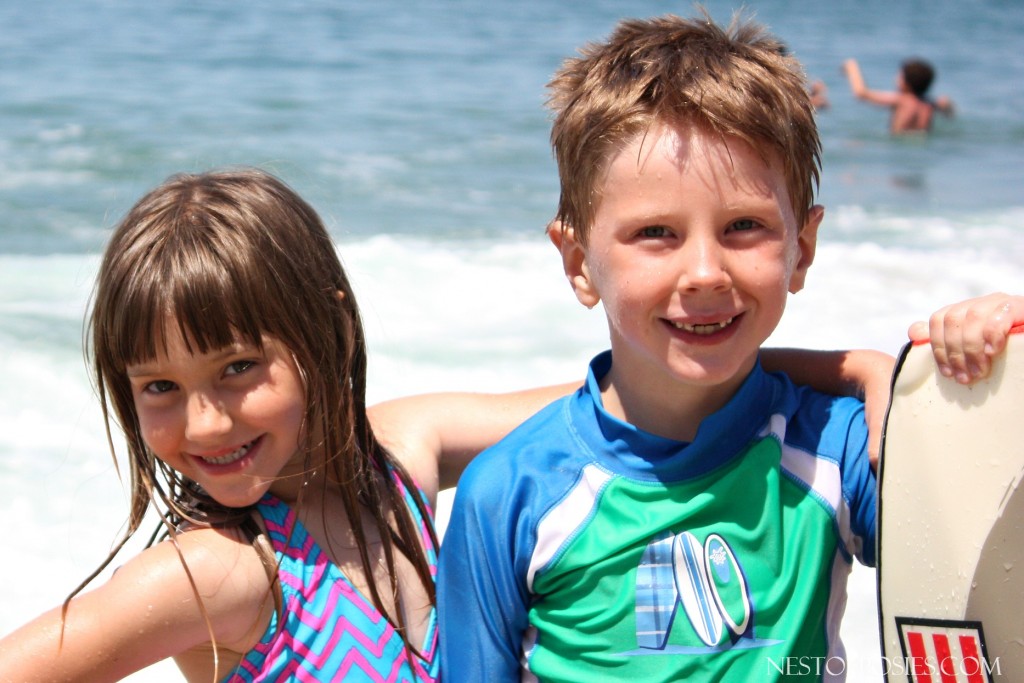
(331, 631)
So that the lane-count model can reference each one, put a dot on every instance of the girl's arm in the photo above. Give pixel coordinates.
(863, 373)
(436, 435)
(146, 612)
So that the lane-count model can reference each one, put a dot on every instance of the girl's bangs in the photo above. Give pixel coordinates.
(201, 296)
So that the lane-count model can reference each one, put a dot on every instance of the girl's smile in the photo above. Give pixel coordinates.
(237, 457)
(230, 419)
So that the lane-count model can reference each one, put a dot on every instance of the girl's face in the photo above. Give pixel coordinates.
(230, 419)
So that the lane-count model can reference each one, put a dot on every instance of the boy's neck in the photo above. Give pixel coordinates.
(673, 410)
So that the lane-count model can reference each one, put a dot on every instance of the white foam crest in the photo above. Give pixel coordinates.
(364, 169)
(866, 295)
(68, 131)
(468, 315)
(57, 480)
(14, 179)
(991, 234)
(57, 284)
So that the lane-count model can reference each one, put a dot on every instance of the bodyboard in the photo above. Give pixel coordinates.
(951, 523)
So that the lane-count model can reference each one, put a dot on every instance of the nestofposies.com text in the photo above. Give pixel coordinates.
(836, 666)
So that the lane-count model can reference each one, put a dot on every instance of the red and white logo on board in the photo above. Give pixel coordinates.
(940, 651)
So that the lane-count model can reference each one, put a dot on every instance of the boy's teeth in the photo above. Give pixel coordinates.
(230, 457)
(704, 329)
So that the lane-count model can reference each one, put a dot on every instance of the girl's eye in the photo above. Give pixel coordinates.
(238, 367)
(160, 386)
(654, 231)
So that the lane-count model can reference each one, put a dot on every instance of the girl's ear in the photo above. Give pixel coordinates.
(574, 262)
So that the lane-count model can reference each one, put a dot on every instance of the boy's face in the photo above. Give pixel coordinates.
(693, 250)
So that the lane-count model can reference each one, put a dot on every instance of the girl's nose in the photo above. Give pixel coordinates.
(206, 419)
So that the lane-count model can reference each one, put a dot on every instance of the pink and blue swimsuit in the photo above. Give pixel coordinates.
(331, 631)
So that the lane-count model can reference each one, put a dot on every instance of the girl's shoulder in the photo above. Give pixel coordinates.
(203, 584)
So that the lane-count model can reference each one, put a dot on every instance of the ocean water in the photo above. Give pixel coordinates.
(418, 132)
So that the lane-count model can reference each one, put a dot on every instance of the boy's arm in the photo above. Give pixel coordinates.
(966, 336)
(863, 374)
(860, 89)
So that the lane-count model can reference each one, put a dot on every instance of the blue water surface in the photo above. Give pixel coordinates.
(427, 118)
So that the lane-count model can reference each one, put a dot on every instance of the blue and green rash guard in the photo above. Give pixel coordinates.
(581, 548)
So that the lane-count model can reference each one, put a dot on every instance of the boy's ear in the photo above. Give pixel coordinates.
(574, 262)
(807, 242)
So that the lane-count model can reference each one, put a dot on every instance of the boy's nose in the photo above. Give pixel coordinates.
(705, 266)
(206, 418)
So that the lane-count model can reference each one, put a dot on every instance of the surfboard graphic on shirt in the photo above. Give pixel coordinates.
(728, 586)
(656, 595)
(694, 589)
(706, 578)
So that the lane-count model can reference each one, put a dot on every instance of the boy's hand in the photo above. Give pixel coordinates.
(967, 335)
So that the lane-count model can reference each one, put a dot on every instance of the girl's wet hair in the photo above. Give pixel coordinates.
(217, 257)
(234, 256)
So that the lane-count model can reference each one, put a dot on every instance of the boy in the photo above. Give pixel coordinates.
(684, 513)
(911, 110)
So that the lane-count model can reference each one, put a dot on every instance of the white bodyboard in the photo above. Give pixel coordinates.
(951, 523)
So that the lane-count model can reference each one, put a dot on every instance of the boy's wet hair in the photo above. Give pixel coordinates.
(237, 256)
(736, 82)
(918, 75)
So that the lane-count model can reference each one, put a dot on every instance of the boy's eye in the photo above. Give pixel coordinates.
(744, 224)
(654, 231)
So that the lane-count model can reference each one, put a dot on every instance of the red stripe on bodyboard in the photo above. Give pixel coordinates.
(944, 660)
(919, 658)
(972, 665)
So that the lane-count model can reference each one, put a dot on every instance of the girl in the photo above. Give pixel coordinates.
(227, 346)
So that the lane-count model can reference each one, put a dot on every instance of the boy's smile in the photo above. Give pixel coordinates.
(693, 250)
